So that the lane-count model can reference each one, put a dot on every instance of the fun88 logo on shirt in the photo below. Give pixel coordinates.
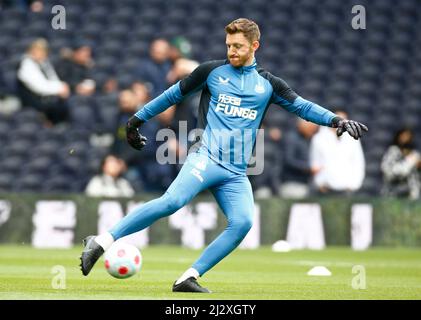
(231, 106)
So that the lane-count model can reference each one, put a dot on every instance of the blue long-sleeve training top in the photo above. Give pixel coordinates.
(232, 106)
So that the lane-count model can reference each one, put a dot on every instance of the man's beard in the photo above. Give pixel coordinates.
(241, 61)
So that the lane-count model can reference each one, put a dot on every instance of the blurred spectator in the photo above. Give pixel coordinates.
(39, 86)
(6, 4)
(36, 5)
(180, 69)
(110, 85)
(110, 182)
(141, 93)
(337, 163)
(180, 47)
(158, 177)
(33, 5)
(75, 67)
(143, 168)
(154, 70)
(400, 166)
(267, 183)
(8, 102)
(297, 171)
(128, 104)
(187, 109)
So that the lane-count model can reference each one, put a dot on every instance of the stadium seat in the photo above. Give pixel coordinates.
(83, 116)
(6, 182)
(29, 183)
(58, 184)
(11, 163)
(39, 165)
(19, 147)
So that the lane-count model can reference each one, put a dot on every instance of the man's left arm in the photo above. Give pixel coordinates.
(284, 96)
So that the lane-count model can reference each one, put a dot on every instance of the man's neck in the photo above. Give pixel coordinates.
(249, 62)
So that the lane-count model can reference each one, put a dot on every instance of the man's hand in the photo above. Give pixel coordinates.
(65, 91)
(354, 128)
(315, 170)
(134, 138)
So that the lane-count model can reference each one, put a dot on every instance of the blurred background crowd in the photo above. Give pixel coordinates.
(65, 95)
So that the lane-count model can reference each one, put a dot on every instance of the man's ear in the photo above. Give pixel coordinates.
(255, 45)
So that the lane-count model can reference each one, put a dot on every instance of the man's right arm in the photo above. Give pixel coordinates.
(176, 93)
(30, 74)
(173, 95)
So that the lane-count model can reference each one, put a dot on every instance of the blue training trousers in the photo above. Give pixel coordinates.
(232, 192)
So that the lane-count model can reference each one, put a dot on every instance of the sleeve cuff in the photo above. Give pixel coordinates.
(335, 122)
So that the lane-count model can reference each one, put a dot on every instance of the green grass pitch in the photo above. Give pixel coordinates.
(26, 273)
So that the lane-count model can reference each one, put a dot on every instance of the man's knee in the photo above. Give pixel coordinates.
(172, 202)
(243, 225)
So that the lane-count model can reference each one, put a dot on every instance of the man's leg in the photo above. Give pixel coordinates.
(235, 197)
(193, 177)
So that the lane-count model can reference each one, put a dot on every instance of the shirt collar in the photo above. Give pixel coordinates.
(246, 69)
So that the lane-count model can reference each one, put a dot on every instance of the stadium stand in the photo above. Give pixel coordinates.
(374, 73)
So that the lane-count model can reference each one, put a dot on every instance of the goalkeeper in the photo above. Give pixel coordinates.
(235, 95)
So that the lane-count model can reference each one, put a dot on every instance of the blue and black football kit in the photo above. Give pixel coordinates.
(232, 106)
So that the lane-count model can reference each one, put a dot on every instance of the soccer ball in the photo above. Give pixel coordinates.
(122, 260)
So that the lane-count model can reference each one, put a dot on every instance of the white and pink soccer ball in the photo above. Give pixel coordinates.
(122, 260)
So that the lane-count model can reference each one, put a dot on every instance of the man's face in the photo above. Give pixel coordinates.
(127, 101)
(160, 50)
(112, 167)
(141, 93)
(83, 55)
(240, 51)
(39, 54)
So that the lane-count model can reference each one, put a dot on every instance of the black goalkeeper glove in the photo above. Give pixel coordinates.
(134, 138)
(354, 128)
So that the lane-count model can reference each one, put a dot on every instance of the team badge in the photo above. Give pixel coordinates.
(259, 88)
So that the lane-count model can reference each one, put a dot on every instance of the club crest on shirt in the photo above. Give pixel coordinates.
(259, 88)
